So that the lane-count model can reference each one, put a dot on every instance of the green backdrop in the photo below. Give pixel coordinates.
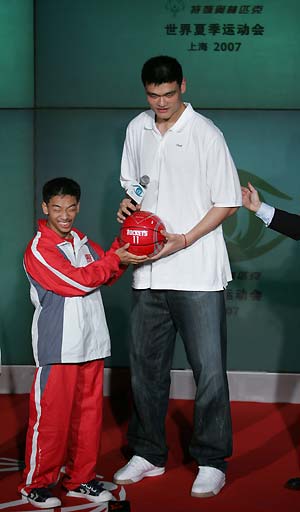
(235, 54)
(70, 86)
(16, 53)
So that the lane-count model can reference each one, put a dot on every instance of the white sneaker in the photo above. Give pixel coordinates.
(208, 482)
(135, 470)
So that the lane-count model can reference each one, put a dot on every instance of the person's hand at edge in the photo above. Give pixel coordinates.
(250, 197)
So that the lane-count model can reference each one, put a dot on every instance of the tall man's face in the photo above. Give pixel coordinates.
(165, 100)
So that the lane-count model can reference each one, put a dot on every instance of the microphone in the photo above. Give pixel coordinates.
(137, 190)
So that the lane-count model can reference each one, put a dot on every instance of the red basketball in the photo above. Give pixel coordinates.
(142, 230)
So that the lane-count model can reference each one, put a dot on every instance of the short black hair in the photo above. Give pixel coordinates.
(161, 69)
(61, 187)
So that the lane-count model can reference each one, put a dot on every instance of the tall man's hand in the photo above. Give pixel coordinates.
(126, 208)
(173, 242)
(177, 242)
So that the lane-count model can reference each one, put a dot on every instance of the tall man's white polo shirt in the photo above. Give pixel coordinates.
(190, 170)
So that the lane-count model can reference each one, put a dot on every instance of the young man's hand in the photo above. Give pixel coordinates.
(128, 258)
(250, 197)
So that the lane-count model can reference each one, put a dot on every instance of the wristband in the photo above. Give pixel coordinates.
(185, 241)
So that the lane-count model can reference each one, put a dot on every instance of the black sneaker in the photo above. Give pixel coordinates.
(41, 498)
(91, 491)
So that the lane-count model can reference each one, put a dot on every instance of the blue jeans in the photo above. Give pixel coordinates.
(200, 319)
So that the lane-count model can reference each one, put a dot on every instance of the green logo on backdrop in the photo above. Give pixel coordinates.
(175, 6)
(246, 244)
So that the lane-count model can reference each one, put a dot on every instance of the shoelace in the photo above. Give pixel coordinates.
(94, 486)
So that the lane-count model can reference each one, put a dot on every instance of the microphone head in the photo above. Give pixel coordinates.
(145, 180)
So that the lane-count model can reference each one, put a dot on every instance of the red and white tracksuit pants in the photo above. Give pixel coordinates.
(65, 419)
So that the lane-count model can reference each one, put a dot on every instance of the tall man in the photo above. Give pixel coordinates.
(193, 188)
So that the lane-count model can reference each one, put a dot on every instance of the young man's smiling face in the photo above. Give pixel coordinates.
(61, 212)
(165, 100)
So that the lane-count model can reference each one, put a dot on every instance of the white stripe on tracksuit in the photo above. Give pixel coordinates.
(39, 257)
(37, 392)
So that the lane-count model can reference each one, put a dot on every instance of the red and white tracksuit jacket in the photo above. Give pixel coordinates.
(69, 326)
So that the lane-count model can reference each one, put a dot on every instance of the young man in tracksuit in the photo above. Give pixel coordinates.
(70, 340)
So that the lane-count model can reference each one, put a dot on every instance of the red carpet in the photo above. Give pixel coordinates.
(266, 453)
